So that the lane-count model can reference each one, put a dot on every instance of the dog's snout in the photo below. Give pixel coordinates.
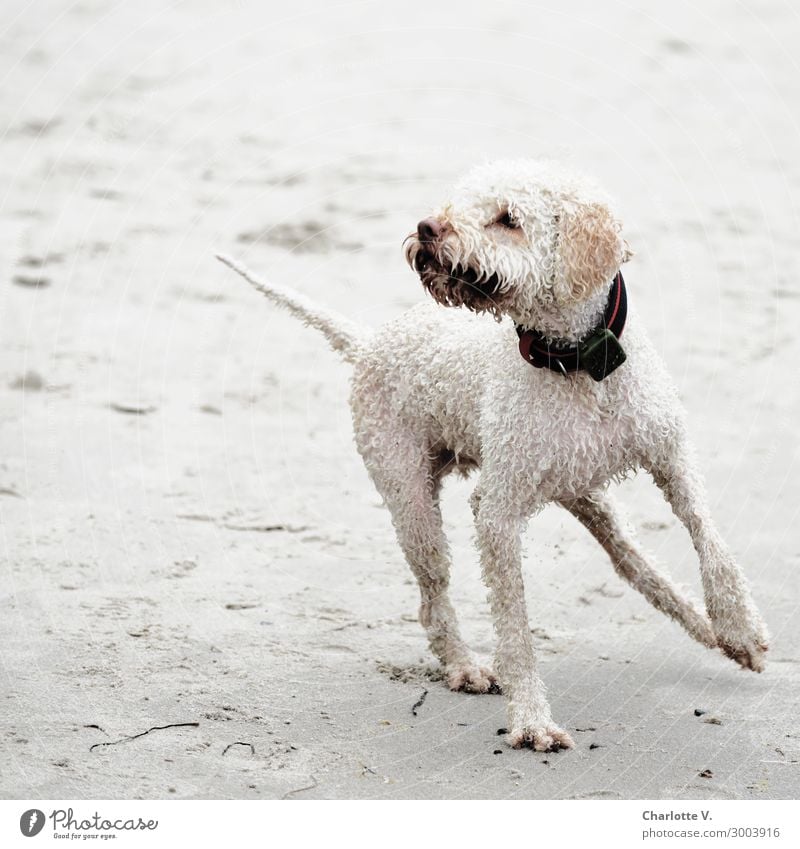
(429, 229)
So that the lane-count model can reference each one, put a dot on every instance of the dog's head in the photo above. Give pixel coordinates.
(517, 237)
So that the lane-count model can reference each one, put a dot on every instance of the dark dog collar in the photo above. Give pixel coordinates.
(599, 353)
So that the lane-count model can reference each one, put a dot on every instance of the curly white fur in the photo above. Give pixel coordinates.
(537, 247)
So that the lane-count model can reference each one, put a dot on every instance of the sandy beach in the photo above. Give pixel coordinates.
(201, 595)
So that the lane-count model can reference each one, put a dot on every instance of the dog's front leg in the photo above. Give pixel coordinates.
(600, 516)
(530, 723)
(739, 630)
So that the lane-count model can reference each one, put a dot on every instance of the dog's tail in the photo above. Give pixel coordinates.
(344, 336)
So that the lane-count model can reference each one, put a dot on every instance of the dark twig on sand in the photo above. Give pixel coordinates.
(239, 743)
(419, 702)
(143, 733)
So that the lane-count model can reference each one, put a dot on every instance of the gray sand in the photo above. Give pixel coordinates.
(188, 534)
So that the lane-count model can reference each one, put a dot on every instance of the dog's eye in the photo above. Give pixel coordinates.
(508, 220)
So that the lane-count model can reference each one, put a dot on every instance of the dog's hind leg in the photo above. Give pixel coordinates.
(405, 478)
(598, 514)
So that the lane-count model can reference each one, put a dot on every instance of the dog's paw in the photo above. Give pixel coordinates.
(744, 641)
(748, 652)
(544, 738)
(472, 679)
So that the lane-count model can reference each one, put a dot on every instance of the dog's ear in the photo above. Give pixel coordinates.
(590, 249)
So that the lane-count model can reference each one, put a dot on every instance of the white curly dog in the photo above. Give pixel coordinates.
(436, 391)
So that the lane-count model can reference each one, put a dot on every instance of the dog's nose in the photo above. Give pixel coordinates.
(429, 229)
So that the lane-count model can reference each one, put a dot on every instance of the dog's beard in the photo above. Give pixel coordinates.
(456, 284)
